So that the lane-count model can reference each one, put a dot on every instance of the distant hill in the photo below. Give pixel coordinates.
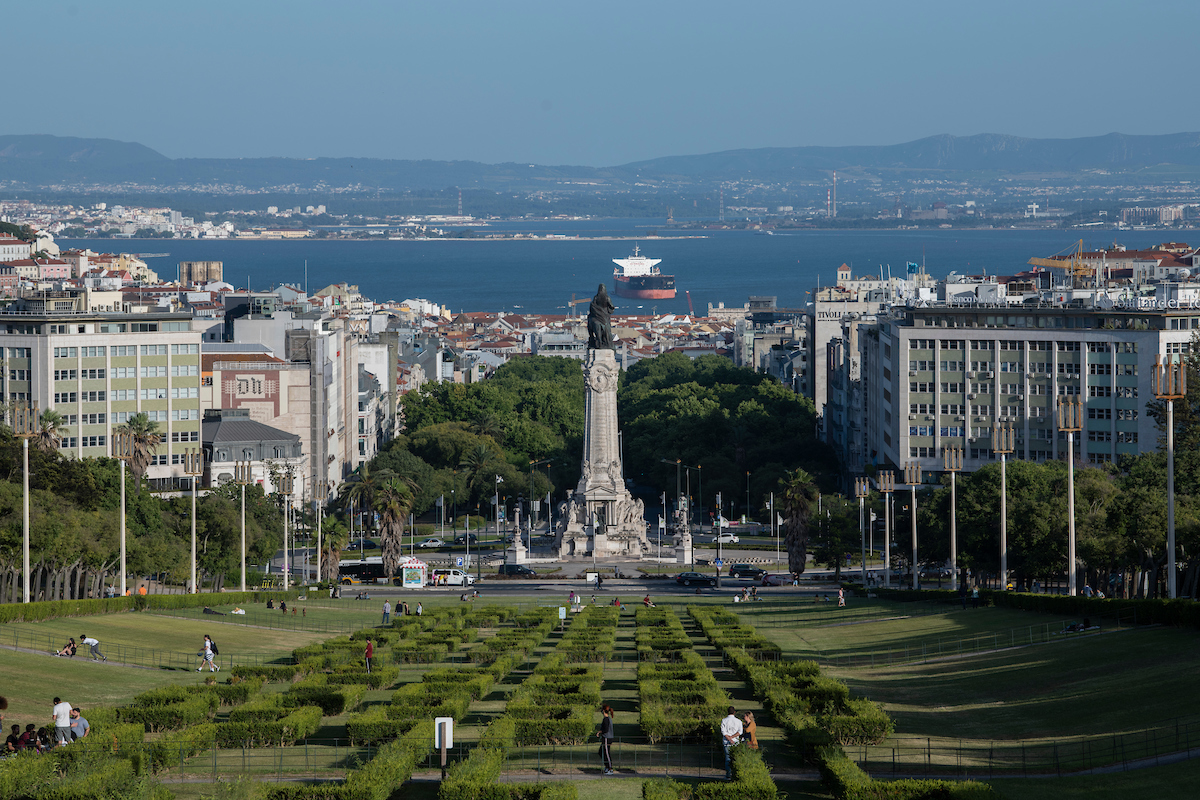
(39, 161)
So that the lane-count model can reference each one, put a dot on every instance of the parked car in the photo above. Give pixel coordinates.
(517, 571)
(725, 538)
(434, 542)
(463, 538)
(688, 578)
(450, 577)
(746, 571)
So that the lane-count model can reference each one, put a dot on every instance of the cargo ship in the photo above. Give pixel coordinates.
(638, 277)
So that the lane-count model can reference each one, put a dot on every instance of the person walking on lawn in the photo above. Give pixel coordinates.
(94, 647)
(387, 611)
(605, 735)
(368, 653)
(210, 650)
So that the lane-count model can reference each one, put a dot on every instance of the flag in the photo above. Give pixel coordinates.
(499, 480)
(547, 498)
(441, 498)
(779, 518)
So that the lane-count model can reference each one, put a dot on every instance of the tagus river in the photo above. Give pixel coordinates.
(539, 276)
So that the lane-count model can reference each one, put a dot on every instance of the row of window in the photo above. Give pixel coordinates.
(71, 442)
(79, 397)
(1022, 346)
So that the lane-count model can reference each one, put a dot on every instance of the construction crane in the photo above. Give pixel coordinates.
(571, 305)
(691, 310)
(1080, 270)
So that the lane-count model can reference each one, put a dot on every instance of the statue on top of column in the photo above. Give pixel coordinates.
(599, 322)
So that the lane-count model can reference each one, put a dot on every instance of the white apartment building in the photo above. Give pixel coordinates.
(97, 369)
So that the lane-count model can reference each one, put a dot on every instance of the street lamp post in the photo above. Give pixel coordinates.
(193, 467)
(747, 496)
(25, 427)
(678, 484)
(1070, 420)
(912, 476)
(887, 485)
(122, 448)
(860, 491)
(285, 489)
(952, 458)
(720, 531)
(1003, 441)
(1170, 384)
(241, 476)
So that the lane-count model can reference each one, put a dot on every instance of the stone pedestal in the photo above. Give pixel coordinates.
(516, 554)
(683, 548)
(601, 518)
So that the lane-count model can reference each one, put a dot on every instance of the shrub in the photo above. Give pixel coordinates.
(193, 710)
(332, 700)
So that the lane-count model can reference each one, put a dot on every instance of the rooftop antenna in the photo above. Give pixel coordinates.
(835, 192)
(306, 278)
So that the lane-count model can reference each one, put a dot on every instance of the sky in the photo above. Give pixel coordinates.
(596, 83)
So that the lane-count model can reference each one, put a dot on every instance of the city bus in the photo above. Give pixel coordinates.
(367, 570)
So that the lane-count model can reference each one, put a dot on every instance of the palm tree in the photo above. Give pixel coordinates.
(799, 495)
(49, 431)
(480, 465)
(489, 425)
(145, 439)
(393, 501)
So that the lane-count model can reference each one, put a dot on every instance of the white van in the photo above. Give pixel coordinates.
(450, 577)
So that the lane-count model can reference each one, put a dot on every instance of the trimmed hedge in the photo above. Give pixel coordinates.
(301, 723)
(193, 710)
(271, 673)
(333, 700)
(54, 609)
(475, 777)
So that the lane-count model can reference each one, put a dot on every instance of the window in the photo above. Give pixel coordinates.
(91, 374)
(1042, 346)
(147, 327)
(921, 365)
(1038, 411)
(185, 392)
(983, 388)
(1126, 369)
(954, 408)
(113, 327)
(955, 431)
(1099, 436)
(1039, 367)
(93, 397)
(92, 419)
(122, 395)
(153, 372)
(952, 388)
(176, 326)
(1127, 392)
(18, 396)
(920, 408)
(194, 350)
(185, 436)
(915, 386)
(1099, 347)
(154, 394)
(1127, 437)
(1068, 347)
(1010, 366)
(93, 441)
(1039, 388)
(981, 453)
(981, 366)
(920, 344)
(921, 452)
(18, 374)
(124, 350)
(920, 430)
(59, 352)
(1012, 388)
(1068, 390)
(1125, 347)
(1099, 369)
(183, 370)
(158, 461)
(1099, 391)
(92, 352)
(982, 344)
(1011, 345)
(65, 397)
(119, 373)
(68, 443)
(185, 413)
(1099, 458)
(1099, 413)
(1068, 368)
(154, 349)
(981, 411)
(1127, 414)
(953, 366)
(1017, 411)
(949, 344)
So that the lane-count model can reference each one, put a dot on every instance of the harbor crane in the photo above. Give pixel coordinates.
(1082, 273)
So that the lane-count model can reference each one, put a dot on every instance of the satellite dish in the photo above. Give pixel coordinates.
(1184, 274)
(1104, 302)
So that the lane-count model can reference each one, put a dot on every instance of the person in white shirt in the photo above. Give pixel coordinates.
(62, 722)
(94, 647)
(731, 734)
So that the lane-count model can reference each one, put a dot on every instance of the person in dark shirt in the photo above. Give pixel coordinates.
(13, 743)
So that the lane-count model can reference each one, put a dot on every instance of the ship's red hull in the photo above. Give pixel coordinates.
(638, 290)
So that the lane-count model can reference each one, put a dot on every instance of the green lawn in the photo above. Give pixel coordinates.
(1171, 782)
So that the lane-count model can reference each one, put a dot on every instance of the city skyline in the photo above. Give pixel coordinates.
(550, 84)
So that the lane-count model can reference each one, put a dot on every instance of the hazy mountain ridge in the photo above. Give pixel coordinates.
(42, 160)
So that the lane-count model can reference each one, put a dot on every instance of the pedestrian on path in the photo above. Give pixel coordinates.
(841, 598)
(749, 730)
(370, 651)
(62, 722)
(387, 611)
(605, 734)
(94, 647)
(731, 734)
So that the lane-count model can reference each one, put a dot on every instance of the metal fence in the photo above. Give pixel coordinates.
(20, 637)
(915, 756)
(273, 620)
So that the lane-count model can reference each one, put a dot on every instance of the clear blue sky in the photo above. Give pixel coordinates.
(597, 83)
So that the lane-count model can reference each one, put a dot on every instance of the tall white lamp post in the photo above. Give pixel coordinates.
(193, 467)
(242, 477)
(1170, 384)
(1003, 441)
(952, 458)
(887, 485)
(912, 476)
(122, 449)
(1070, 420)
(25, 416)
(861, 490)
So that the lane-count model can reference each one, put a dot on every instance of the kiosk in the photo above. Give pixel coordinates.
(413, 573)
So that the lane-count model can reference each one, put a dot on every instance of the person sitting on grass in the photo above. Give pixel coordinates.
(647, 602)
(68, 649)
